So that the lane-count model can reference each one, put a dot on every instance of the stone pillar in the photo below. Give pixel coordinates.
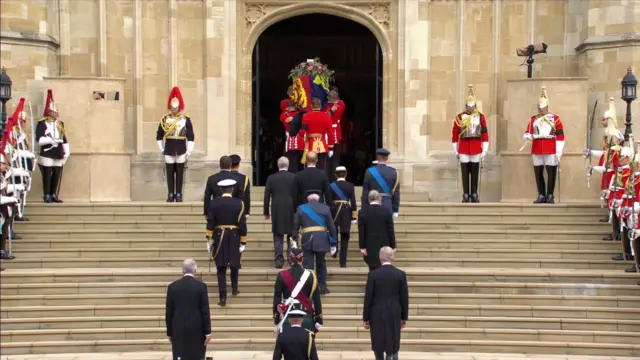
(567, 98)
(99, 167)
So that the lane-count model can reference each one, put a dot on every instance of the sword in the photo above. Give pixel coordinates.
(33, 127)
(559, 182)
(59, 181)
(458, 174)
(589, 130)
(480, 175)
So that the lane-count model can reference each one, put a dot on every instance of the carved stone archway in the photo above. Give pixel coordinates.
(257, 16)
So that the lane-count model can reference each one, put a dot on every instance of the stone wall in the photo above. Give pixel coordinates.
(432, 49)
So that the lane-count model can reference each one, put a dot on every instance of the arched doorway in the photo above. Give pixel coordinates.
(347, 47)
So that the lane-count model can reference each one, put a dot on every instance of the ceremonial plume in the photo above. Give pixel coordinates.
(175, 99)
(471, 96)
(543, 102)
(49, 105)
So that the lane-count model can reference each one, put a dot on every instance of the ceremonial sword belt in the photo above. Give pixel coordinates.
(312, 229)
(176, 137)
(223, 228)
(340, 202)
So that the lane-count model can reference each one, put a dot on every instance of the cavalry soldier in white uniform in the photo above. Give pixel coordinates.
(54, 150)
(547, 133)
(176, 130)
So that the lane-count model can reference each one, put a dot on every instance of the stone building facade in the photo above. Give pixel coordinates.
(431, 50)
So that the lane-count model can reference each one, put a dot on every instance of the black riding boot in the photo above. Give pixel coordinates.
(46, 173)
(552, 171)
(179, 181)
(466, 170)
(475, 176)
(170, 182)
(538, 172)
(56, 177)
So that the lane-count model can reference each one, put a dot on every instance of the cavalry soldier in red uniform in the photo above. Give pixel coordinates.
(470, 141)
(295, 144)
(176, 130)
(610, 151)
(546, 132)
(617, 190)
(626, 210)
(336, 132)
(316, 128)
(344, 210)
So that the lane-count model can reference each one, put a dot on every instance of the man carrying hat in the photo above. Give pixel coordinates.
(314, 227)
(385, 180)
(343, 210)
(286, 297)
(243, 182)
(297, 343)
(226, 236)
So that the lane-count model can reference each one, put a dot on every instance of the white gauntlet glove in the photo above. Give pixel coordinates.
(333, 250)
(455, 148)
(527, 137)
(330, 153)
(395, 215)
(242, 247)
(160, 146)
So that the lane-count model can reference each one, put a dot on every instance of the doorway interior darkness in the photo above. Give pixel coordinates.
(348, 48)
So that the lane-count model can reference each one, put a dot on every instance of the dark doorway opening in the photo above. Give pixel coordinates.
(348, 48)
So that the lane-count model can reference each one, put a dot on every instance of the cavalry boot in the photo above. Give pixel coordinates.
(170, 182)
(392, 357)
(46, 183)
(605, 219)
(475, 176)
(179, 181)
(538, 172)
(552, 171)
(55, 183)
(466, 170)
(626, 245)
(379, 356)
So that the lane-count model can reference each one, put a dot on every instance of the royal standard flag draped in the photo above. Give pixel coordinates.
(310, 80)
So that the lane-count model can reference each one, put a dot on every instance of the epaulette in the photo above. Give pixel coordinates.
(43, 119)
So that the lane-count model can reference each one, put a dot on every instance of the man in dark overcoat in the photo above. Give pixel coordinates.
(311, 178)
(343, 210)
(278, 197)
(213, 191)
(375, 230)
(187, 315)
(386, 306)
(226, 237)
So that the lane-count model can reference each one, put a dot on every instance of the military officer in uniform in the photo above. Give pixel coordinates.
(212, 190)
(297, 343)
(294, 144)
(243, 182)
(284, 298)
(343, 210)
(226, 236)
(54, 150)
(317, 232)
(176, 130)
(385, 180)
(546, 132)
(470, 141)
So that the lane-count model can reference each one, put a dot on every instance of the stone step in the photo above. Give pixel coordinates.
(449, 258)
(336, 297)
(102, 233)
(180, 253)
(93, 275)
(443, 289)
(257, 243)
(330, 332)
(523, 311)
(257, 206)
(262, 225)
(589, 217)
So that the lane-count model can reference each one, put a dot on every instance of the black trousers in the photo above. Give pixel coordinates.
(344, 248)
(222, 280)
(6, 228)
(323, 163)
(294, 156)
(278, 245)
(470, 175)
(175, 178)
(51, 177)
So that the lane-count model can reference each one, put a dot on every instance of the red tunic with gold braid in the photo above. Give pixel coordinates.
(545, 144)
(293, 142)
(318, 124)
(468, 135)
(632, 195)
(618, 185)
(336, 119)
(283, 104)
(609, 160)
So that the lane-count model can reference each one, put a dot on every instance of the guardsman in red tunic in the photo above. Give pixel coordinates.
(546, 132)
(617, 189)
(316, 128)
(632, 219)
(295, 144)
(610, 151)
(627, 210)
(285, 103)
(470, 141)
(336, 131)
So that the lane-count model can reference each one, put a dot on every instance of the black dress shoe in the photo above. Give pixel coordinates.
(604, 220)
(54, 198)
(15, 236)
(170, 198)
(235, 292)
(550, 199)
(343, 266)
(324, 291)
(178, 197)
(47, 199)
(475, 198)
(618, 257)
(631, 269)
(541, 199)
(6, 256)
(222, 302)
(465, 198)
(21, 219)
(608, 238)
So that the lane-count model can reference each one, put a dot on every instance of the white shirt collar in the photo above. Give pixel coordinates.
(340, 179)
(187, 275)
(374, 203)
(285, 169)
(226, 170)
(386, 263)
(311, 166)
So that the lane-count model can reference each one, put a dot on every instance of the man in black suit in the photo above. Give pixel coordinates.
(244, 184)
(278, 192)
(385, 180)
(310, 178)
(187, 315)
(375, 230)
(297, 343)
(386, 306)
(212, 190)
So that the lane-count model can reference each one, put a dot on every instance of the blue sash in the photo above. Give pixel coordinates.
(338, 192)
(383, 184)
(313, 215)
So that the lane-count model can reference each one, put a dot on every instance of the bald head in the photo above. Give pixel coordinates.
(312, 158)
(283, 163)
(189, 266)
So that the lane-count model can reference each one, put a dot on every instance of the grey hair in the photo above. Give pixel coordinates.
(374, 195)
(283, 162)
(189, 266)
(315, 197)
(386, 254)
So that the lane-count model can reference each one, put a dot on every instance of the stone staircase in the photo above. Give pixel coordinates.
(506, 278)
